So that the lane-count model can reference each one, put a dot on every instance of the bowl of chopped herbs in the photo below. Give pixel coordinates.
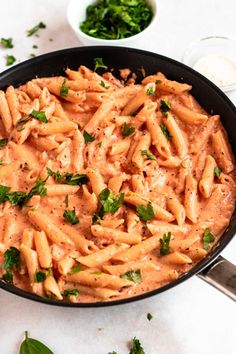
(118, 22)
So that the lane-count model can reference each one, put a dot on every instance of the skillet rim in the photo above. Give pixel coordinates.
(223, 241)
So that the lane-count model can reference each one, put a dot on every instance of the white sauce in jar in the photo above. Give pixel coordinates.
(217, 68)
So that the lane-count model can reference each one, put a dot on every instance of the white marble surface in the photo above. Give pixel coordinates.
(193, 318)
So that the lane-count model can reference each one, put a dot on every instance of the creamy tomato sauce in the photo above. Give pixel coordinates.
(137, 184)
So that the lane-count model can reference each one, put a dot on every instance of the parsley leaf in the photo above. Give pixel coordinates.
(96, 218)
(8, 277)
(208, 238)
(64, 90)
(149, 316)
(35, 29)
(39, 115)
(21, 198)
(75, 179)
(67, 200)
(149, 156)
(39, 188)
(74, 292)
(217, 171)
(3, 142)
(68, 178)
(127, 130)
(158, 82)
(10, 60)
(110, 202)
(112, 352)
(98, 62)
(165, 244)
(39, 277)
(7, 42)
(145, 213)
(76, 269)
(150, 91)
(102, 83)
(16, 198)
(165, 106)
(132, 275)
(136, 347)
(165, 131)
(4, 193)
(11, 258)
(70, 216)
(87, 137)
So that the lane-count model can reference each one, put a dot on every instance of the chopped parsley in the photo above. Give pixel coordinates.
(35, 29)
(70, 216)
(11, 258)
(7, 42)
(127, 130)
(21, 198)
(150, 91)
(136, 347)
(76, 269)
(64, 90)
(3, 142)
(71, 292)
(87, 137)
(208, 238)
(165, 106)
(35, 46)
(132, 275)
(165, 244)
(217, 171)
(110, 203)
(148, 155)
(8, 277)
(98, 63)
(165, 131)
(102, 83)
(32, 55)
(10, 60)
(96, 218)
(39, 277)
(67, 200)
(41, 116)
(145, 213)
(158, 82)
(68, 178)
(116, 19)
(112, 352)
(149, 316)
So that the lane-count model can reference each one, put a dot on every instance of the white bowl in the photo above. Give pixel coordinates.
(214, 45)
(76, 14)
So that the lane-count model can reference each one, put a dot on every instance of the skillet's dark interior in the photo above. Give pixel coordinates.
(207, 94)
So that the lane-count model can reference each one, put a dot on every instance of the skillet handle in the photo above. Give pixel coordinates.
(222, 275)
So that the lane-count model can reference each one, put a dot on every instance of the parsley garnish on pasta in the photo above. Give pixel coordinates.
(146, 213)
(165, 244)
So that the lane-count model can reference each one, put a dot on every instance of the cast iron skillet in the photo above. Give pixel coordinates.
(217, 271)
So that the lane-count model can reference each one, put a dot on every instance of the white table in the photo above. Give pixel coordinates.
(192, 318)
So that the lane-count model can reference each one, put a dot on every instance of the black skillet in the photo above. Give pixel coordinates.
(214, 268)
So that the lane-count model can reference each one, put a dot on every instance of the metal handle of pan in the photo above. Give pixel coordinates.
(222, 275)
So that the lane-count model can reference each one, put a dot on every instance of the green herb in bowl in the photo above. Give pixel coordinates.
(116, 19)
